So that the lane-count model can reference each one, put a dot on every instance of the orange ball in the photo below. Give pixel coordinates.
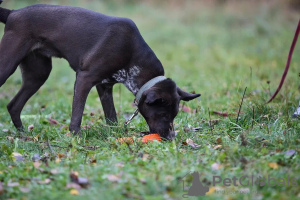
(151, 137)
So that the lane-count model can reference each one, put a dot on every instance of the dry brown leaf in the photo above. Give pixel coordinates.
(46, 181)
(216, 166)
(73, 185)
(113, 178)
(30, 127)
(119, 164)
(53, 121)
(83, 182)
(37, 164)
(74, 192)
(186, 109)
(24, 189)
(11, 139)
(191, 143)
(18, 157)
(36, 138)
(13, 184)
(273, 165)
(217, 146)
(54, 171)
(224, 114)
(68, 134)
(60, 155)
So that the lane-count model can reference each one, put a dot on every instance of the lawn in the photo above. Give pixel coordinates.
(216, 48)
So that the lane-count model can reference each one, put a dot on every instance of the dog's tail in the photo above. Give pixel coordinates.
(4, 14)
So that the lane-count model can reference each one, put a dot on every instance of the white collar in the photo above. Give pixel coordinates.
(148, 85)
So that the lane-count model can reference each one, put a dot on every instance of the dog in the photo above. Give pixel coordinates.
(102, 50)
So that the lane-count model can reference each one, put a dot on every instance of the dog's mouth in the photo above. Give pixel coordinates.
(167, 135)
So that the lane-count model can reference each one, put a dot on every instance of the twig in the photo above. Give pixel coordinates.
(237, 119)
(49, 145)
(211, 128)
(253, 115)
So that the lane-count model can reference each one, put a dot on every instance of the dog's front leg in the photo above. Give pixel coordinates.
(83, 85)
(106, 98)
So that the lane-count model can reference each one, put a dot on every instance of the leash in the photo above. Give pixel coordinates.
(287, 63)
(145, 87)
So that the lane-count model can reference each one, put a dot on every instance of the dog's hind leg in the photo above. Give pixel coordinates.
(35, 70)
(106, 98)
(13, 49)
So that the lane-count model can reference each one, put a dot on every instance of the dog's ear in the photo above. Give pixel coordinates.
(185, 96)
(152, 97)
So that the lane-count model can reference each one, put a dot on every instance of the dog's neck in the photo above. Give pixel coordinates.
(136, 76)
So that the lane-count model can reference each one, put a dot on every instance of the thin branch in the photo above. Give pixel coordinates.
(237, 119)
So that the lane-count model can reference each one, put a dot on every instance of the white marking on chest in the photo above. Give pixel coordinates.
(127, 77)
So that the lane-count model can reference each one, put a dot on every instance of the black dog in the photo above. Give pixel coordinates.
(101, 49)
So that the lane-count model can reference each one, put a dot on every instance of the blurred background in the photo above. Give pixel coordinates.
(213, 47)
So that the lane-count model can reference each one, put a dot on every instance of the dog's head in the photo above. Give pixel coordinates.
(159, 106)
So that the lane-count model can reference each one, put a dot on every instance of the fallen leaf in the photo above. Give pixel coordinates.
(290, 152)
(273, 165)
(74, 176)
(83, 182)
(217, 146)
(24, 189)
(61, 155)
(73, 185)
(113, 178)
(11, 139)
(30, 127)
(13, 184)
(224, 114)
(53, 121)
(186, 109)
(36, 138)
(54, 171)
(143, 181)
(37, 164)
(119, 165)
(45, 182)
(86, 127)
(68, 134)
(216, 166)
(191, 143)
(36, 157)
(74, 192)
(18, 157)
(127, 140)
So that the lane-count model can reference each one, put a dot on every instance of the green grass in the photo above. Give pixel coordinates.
(216, 50)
